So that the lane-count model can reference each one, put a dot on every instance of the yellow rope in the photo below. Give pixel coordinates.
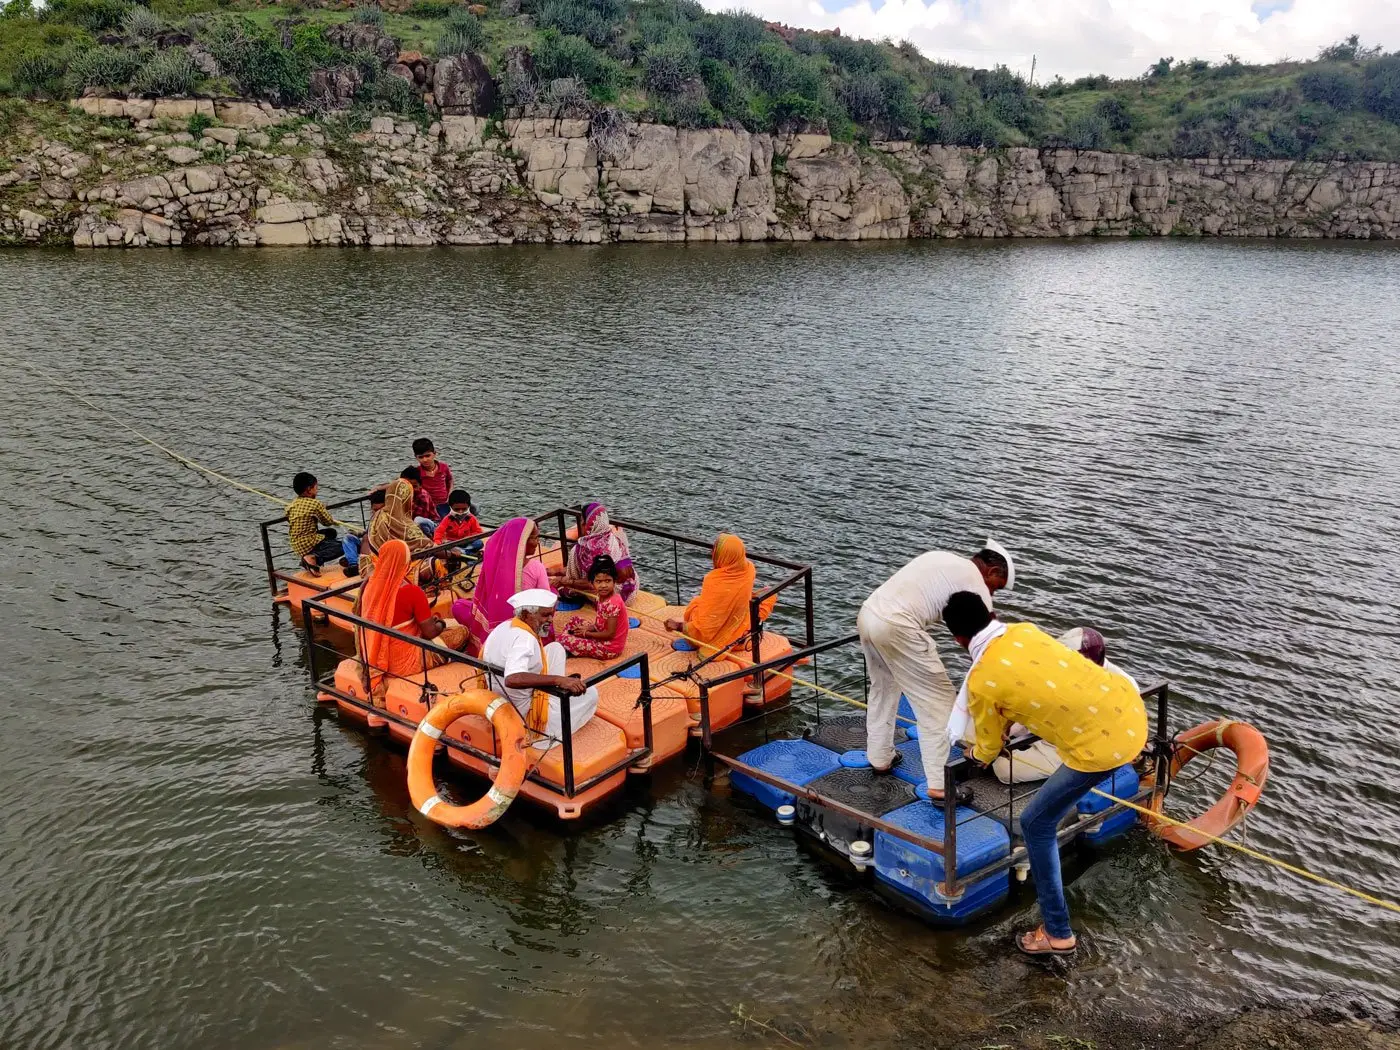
(157, 445)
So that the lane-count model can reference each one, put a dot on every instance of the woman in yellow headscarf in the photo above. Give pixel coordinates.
(718, 616)
(394, 522)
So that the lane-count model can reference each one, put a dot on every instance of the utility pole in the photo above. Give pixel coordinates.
(1032, 83)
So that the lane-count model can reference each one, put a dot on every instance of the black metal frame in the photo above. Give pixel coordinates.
(953, 886)
(326, 683)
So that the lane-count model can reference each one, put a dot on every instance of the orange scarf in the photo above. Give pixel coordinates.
(538, 717)
(719, 615)
(381, 653)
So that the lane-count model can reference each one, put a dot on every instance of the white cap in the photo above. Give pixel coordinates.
(993, 545)
(535, 598)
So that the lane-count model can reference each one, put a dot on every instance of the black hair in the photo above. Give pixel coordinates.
(992, 560)
(378, 497)
(966, 614)
(459, 496)
(303, 481)
(422, 445)
(602, 564)
(411, 474)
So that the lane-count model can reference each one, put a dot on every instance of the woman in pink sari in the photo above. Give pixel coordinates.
(599, 537)
(510, 563)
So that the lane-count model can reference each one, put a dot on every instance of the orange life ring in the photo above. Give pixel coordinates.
(510, 733)
(1251, 771)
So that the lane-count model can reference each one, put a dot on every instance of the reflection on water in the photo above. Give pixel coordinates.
(1191, 446)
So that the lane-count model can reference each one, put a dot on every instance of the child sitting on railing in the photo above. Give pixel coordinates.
(305, 514)
(608, 636)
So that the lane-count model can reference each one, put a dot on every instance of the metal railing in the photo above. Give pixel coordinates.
(953, 885)
(274, 573)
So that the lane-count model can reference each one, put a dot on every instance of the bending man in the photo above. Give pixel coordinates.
(900, 655)
(529, 667)
(1092, 717)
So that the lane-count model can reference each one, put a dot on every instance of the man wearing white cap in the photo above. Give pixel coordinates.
(527, 665)
(900, 654)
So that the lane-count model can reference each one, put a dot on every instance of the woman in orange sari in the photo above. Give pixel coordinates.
(389, 600)
(718, 616)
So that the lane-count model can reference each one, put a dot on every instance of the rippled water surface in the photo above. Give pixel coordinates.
(1193, 446)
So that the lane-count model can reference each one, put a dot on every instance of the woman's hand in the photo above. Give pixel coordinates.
(674, 625)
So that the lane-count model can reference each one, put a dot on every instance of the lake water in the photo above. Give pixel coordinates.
(1193, 446)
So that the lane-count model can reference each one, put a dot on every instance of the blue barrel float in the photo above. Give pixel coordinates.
(915, 873)
(798, 762)
(1121, 783)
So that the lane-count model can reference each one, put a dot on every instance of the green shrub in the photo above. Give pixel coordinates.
(725, 91)
(1115, 114)
(1338, 88)
(199, 123)
(461, 35)
(670, 65)
(40, 72)
(853, 56)
(255, 58)
(559, 56)
(95, 16)
(1089, 131)
(398, 96)
(733, 37)
(369, 15)
(1380, 87)
(169, 72)
(591, 19)
(101, 67)
(141, 23)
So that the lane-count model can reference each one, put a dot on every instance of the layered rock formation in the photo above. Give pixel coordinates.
(268, 177)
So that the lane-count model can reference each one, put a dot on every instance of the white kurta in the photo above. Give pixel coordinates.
(902, 657)
(518, 652)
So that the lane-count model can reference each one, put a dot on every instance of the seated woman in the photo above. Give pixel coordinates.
(510, 563)
(607, 636)
(390, 600)
(718, 616)
(394, 522)
(599, 538)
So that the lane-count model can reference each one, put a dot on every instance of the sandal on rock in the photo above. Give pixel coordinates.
(310, 566)
(1037, 942)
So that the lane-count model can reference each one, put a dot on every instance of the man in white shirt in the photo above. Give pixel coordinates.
(900, 654)
(528, 665)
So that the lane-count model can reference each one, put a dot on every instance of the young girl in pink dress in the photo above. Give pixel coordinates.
(607, 636)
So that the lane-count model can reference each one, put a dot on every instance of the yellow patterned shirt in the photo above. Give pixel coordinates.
(305, 516)
(1093, 717)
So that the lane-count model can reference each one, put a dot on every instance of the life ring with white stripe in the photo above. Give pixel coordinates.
(1251, 773)
(510, 734)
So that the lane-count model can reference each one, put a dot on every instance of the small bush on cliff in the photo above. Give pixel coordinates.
(369, 15)
(1338, 88)
(96, 16)
(671, 65)
(1380, 88)
(560, 56)
(141, 24)
(169, 72)
(103, 67)
(39, 73)
(462, 34)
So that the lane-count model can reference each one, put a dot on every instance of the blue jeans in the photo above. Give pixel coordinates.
(1039, 822)
(351, 548)
(428, 525)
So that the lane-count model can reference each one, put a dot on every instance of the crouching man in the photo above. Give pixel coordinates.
(529, 667)
(1092, 717)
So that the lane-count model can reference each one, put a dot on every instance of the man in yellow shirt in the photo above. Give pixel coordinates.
(1094, 719)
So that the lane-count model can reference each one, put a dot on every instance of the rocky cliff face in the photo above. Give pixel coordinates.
(260, 176)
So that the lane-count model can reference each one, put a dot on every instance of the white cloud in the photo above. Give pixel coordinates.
(1077, 37)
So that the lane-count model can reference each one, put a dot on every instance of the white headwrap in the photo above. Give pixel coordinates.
(993, 545)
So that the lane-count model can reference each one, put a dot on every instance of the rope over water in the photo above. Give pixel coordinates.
(1259, 855)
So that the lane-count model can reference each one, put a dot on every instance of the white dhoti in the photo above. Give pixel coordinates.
(581, 708)
(1036, 762)
(902, 657)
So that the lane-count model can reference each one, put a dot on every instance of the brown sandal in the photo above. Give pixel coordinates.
(1036, 942)
(310, 566)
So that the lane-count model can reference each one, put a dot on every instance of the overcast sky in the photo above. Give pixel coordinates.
(1077, 37)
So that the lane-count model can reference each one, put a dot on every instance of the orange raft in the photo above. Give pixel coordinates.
(1251, 771)
(510, 731)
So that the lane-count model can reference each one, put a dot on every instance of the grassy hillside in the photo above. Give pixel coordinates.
(670, 61)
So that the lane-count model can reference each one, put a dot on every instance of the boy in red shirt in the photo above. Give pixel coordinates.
(460, 523)
(436, 476)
